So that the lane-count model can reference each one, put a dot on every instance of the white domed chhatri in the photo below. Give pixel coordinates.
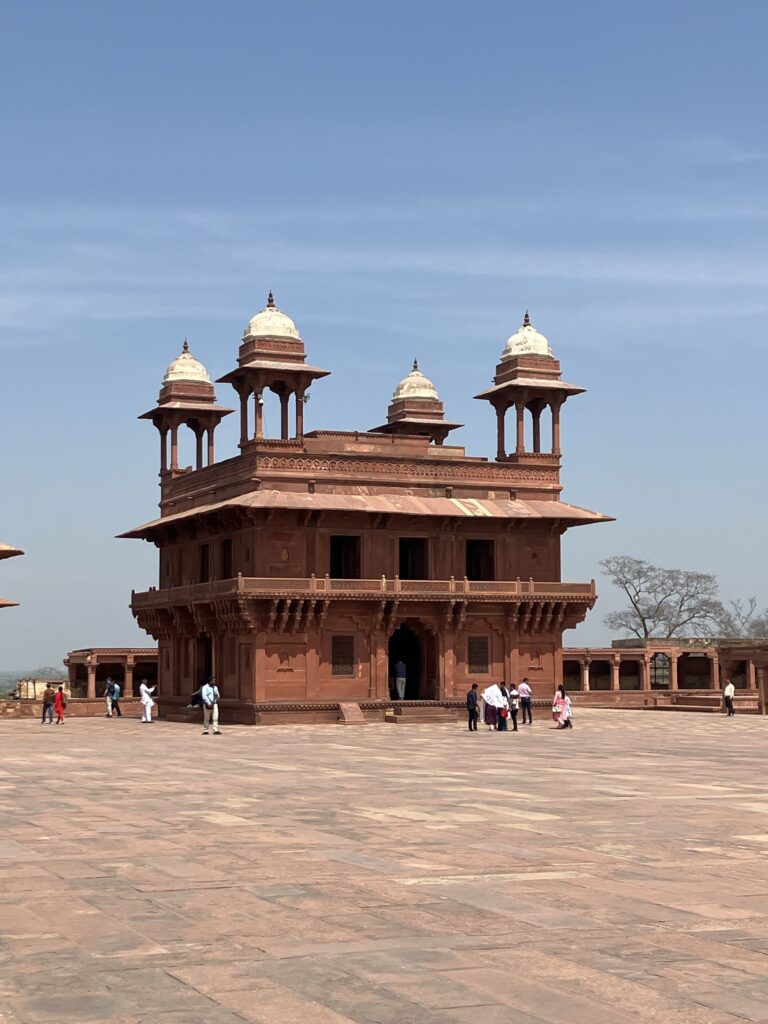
(527, 342)
(271, 322)
(186, 368)
(415, 385)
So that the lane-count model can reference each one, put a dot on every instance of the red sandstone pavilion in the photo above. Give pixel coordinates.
(302, 570)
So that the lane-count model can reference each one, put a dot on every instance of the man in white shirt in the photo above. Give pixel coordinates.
(525, 692)
(728, 693)
(210, 695)
(147, 703)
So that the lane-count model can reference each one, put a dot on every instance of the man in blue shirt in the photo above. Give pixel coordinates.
(116, 692)
(210, 695)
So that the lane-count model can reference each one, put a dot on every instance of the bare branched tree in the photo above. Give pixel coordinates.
(742, 619)
(662, 602)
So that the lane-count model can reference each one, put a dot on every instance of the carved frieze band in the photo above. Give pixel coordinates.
(408, 470)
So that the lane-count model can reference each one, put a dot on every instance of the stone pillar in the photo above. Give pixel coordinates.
(174, 447)
(164, 449)
(128, 681)
(615, 667)
(259, 673)
(645, 674)
(284, 397)
(760, 672)
(501, 441)
(91, 691)
(445, 662)
(585, 675)
(199, 447)
(751, 675)
(300, 414)
(520, 410)
(556, 428)
(537, 430)
(672, 671)
(211, 459)
(714, 672)
(245, 394)
(259, 432)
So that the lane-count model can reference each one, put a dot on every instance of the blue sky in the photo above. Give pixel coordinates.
(408, 178)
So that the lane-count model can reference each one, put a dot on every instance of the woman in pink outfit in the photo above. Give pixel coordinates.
(560, 708)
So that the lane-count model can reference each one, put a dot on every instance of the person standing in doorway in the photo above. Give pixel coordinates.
(401, 678)
(472, 712)
(147, 703)
(729, 693)
(48, 696)
(210, 695)
(526, 697)
(116, 693)
(59, 705)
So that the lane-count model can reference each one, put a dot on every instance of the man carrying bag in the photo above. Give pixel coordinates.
(210, 695)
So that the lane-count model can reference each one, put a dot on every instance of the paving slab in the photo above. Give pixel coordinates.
(615, 874)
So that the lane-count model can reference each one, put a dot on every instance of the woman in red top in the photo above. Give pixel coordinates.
(59, 703)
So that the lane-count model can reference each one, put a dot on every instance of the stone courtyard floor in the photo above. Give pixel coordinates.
(390, 874)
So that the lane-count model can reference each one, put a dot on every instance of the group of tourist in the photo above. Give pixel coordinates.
(112, 693)
(498, 703)
(53, 701)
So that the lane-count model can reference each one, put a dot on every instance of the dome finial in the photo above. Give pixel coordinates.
(415, 364)
(185, 347)
(270, 300)
(526, 320)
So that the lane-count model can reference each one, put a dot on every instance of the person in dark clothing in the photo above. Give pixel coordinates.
(502, 725)
(526, 694)
(472, 712)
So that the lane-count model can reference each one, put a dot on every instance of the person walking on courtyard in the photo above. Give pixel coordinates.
(559, 707)
(472, 712)
(59, 705)
(568, 724)
(116, 709)
(502, 725)
(48, 697)
(729, 693)
(210, 697)
(109, 693)
(526, 695)
(401, 674)
(492, 702)
(147, 703)
(514, 705)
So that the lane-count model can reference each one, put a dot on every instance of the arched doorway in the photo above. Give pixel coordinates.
(414, 646)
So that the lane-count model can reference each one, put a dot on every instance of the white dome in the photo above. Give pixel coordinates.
(271, 322)
(527, 342)
(415, 385)
(186, 367)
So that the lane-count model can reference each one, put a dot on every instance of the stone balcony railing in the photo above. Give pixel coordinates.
(383, 588)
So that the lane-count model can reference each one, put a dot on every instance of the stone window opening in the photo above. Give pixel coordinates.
(226, 559)
(343, 656)
(205, 563)
(414, 558)
(478, 655)
(480, 560)
(344, 558)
